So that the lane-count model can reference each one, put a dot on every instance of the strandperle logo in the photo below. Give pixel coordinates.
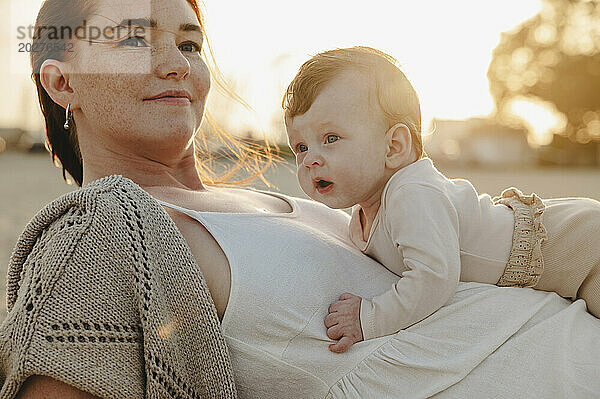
(61, 39)
(64, 36)
(82, 32)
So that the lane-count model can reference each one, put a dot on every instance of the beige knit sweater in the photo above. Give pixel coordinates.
(104, 294)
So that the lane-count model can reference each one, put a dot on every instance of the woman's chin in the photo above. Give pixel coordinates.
(172, 127)
(165, 139)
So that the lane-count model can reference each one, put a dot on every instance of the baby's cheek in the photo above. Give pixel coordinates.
(298, 161)
(304, 180)
(301, 176)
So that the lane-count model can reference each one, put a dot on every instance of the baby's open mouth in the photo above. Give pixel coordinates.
(323, 185)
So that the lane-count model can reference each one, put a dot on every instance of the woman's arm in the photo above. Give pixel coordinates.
(44, 387)
(72, 309)
(99, 280)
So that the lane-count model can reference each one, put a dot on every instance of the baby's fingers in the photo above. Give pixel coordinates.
(331, 320)
(334, 307)
(335, 332)
(346, 295)
(342, 345)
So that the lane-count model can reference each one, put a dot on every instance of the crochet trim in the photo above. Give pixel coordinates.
(525, 263)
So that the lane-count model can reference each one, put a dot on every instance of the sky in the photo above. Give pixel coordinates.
(444, 48)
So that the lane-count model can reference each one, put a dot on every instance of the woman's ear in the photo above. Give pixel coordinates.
(399, 151)
(54, 77)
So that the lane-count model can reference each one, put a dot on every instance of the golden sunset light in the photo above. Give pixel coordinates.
(444, 48)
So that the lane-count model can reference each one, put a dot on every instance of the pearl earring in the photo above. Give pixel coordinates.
(66, 126)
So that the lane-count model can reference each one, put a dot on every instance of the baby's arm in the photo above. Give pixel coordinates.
(423, 224)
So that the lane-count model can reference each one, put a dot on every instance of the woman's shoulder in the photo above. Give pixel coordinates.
(85, 202)
(104, 268)
(79, 227)
(71, 282)
(81, 205)
(91, 201)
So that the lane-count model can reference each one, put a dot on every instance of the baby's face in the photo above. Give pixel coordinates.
(339, 143)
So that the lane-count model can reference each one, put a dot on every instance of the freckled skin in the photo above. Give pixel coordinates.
(111, 82)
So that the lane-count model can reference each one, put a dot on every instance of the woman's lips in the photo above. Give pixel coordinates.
(172, 96)
(323, 186)
(171, 100)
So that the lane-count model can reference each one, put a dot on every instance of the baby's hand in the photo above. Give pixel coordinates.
(343, 322)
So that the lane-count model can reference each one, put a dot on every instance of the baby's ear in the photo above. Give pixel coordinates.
(399, 151)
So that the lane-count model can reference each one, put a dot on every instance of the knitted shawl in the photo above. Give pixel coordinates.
(104, 294)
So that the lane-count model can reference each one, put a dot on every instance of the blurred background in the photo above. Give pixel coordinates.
(510, 91)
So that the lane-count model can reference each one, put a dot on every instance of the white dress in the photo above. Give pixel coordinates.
(287, 268)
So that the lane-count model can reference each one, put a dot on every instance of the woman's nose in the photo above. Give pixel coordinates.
(169, 62)
(313, 158)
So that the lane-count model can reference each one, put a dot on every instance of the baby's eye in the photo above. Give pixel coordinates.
(302, 147)
(331, 138)
(133, 40)
(190, 46)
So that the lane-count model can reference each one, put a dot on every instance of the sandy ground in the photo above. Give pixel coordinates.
(29, 181)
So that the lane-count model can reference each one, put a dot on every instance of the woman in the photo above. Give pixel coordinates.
(134, 100)
(111, 296)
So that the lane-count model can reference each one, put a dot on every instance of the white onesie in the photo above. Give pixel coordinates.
(432, 231)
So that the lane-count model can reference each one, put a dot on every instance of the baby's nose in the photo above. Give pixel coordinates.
(313, 159)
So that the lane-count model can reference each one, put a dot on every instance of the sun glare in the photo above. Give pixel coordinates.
(541, 118)
(444, 48)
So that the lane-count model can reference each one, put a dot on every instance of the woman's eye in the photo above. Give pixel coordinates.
(190, 46)
(133, 41)
(302, 147)
(331, 138)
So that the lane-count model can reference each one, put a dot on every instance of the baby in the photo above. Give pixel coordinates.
(354, 123)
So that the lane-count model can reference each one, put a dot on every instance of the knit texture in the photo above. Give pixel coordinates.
(104, 294)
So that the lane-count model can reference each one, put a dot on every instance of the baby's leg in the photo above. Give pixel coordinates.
(590, 287)
(590, 291)
(572, 250)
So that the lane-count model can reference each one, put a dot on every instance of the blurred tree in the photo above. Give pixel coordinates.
(553, 57)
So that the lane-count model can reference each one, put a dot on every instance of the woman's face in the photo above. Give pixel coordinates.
(116, 77)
